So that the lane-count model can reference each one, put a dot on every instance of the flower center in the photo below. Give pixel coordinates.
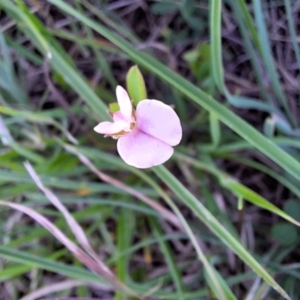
(131, 127)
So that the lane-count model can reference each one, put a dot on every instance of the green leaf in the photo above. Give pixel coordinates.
(215, 130)
(199, 61)
(135, 83)
(285, 234)
(251, 196)
(163, 8)
(269, 127)
(292, 207)
(114, 107)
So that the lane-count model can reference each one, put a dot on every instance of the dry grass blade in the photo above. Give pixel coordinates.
(46, 224)
(73, 225)
(91, 260)
(106, 178)
(58, 287)
(77, 252)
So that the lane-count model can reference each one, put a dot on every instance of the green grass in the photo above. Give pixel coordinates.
(198, 227)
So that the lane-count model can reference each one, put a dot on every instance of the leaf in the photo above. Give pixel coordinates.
(292, 207)
(199, 61)
(269, 127)
(215, 130)
(163, 8)
(34, 261)
(114, 107)
(251, 196)
(135, 83)
(285, 234)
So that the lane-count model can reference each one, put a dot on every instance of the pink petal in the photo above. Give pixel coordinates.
(118, 116)
(159, 120)
(112, 128)
(143, 151)
(124, 103)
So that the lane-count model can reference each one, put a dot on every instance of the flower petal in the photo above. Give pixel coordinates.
(111, 128)
(142, 150)
(159, 120)
(124, 103)
(118, 116)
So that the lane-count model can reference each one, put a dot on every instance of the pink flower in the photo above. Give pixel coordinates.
(145, 135)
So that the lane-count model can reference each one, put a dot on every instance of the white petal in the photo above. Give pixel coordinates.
(111, 128)
(143, 151)
(124, 103)
(159, 120)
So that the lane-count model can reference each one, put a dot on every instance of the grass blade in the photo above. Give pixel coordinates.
(165, 249)
(267, 56)
(219, 286)
(60, 61)
(237, 188)
(50, 265)
(205, 216)
(125, 230)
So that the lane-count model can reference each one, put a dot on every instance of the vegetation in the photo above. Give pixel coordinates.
(219, 220)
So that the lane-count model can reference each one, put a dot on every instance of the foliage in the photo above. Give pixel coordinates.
(212, 222)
